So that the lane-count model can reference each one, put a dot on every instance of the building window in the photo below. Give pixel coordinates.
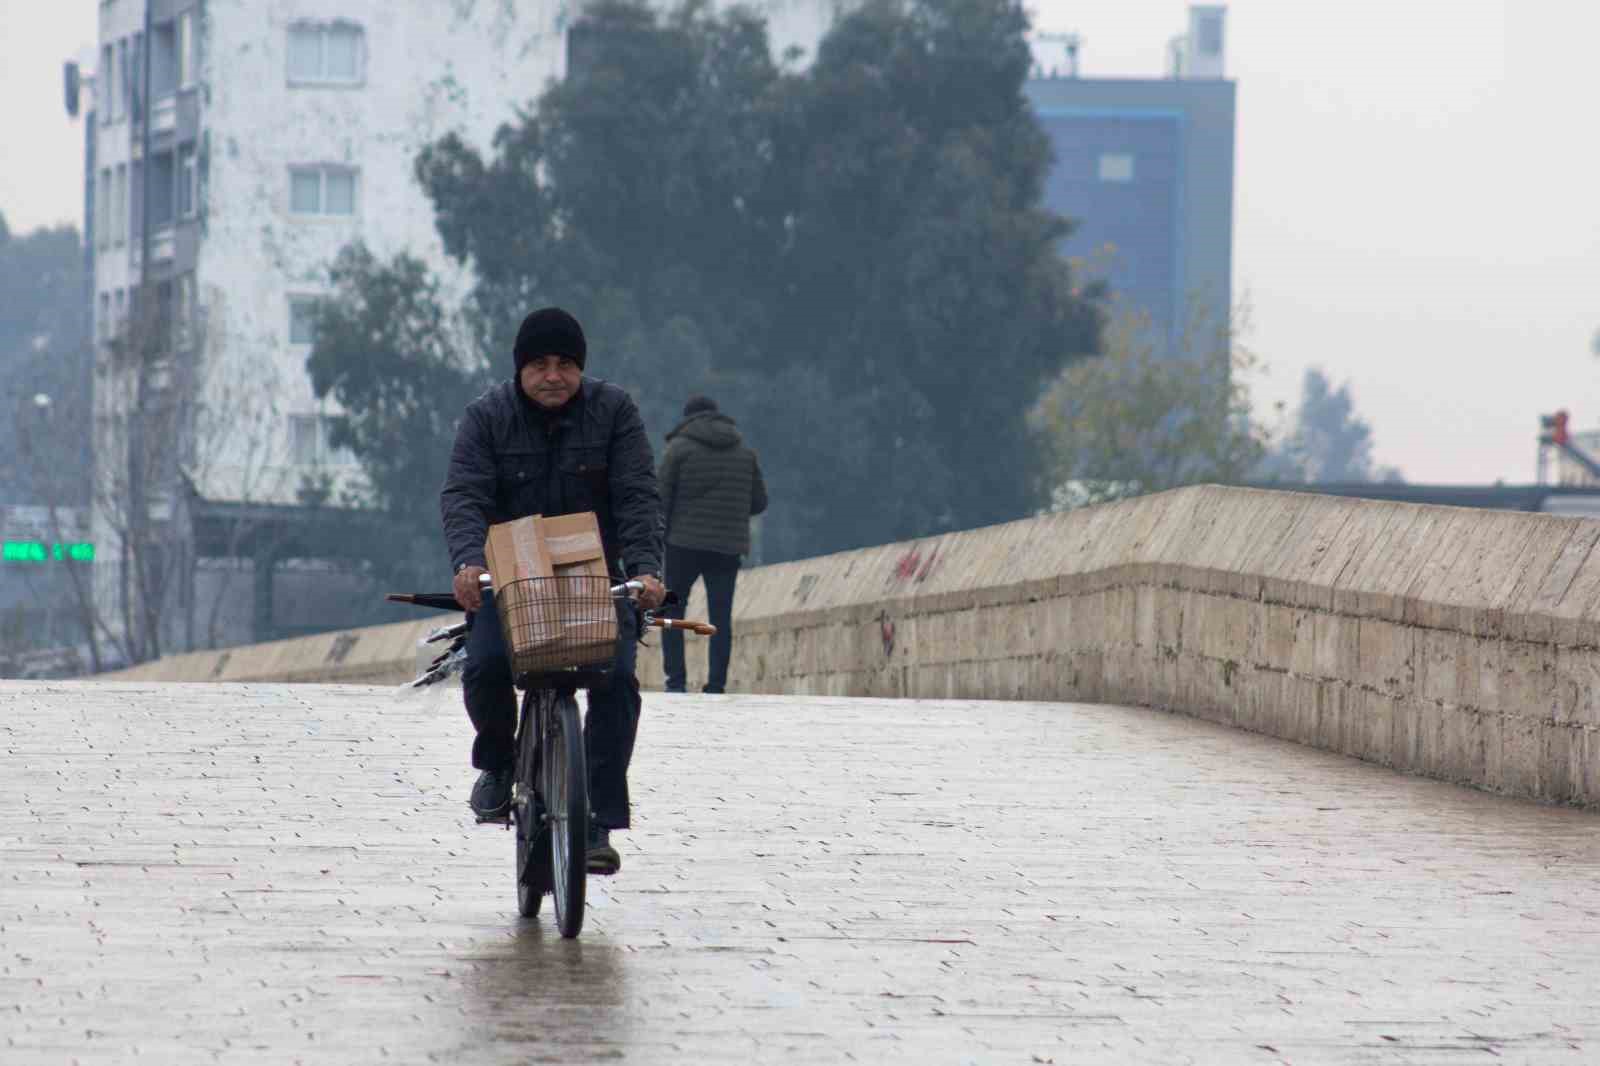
(188, 182)
(325, 53)
(324, 190)
(119, 206)
(164, 60)
(102, 210)
(108, 111)
(184, 319)
(310, 441)
(163, 189)
(108, 56)
(122, 88)
(135, 205)
(186, 49)
(103, 323)
(133, 75)
(302, 320)
(1116, 166)
(166, 322)
(1211, 35)
(303, 439)
(121, 318)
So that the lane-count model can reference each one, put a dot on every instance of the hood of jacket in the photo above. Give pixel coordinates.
(711, 429)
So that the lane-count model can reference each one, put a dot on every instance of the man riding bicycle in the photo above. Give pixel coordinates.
(551, 442)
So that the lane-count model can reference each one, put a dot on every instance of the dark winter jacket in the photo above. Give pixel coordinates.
(512, 459)
(710, 486)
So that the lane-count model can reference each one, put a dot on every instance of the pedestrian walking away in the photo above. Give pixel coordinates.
(711, 486)
(552, 441)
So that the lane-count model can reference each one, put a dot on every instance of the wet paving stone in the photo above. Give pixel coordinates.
(281, 874)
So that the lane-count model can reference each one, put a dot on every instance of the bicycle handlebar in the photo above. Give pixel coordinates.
(447, 601)
(454, 657)
(704, 629)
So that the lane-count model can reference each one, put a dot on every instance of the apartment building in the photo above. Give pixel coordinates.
(236, 148)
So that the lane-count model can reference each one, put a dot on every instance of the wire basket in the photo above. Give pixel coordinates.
(556, 624)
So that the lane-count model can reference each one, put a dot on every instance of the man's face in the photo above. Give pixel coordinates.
(550, 380)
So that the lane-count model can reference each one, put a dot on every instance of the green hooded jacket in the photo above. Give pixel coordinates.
(710, 486)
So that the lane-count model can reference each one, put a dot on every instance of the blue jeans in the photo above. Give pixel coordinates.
(608, 729)
(720, 573)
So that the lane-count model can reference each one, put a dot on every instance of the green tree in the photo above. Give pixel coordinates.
(390, 354)
(633, 194)
(44, 349)
(1327, 441)
(852, 257)
(1133, 421)
(925, 265)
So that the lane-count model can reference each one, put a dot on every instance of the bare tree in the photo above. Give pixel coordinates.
(48, 427)
(172, 419)
(237, 418)
(143, 429)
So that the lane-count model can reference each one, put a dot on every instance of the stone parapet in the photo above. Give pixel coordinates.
(374, 655)
(1460, 644)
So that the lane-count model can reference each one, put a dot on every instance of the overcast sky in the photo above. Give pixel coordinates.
(1416, 204)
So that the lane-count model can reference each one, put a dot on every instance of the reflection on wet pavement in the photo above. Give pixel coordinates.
(253, 873)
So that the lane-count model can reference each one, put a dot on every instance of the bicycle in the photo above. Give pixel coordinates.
(567, 631)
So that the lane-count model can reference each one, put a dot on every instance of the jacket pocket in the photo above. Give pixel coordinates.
(588, 477)
(519, 483)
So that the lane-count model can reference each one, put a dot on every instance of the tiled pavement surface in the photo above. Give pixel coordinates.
(281, 874)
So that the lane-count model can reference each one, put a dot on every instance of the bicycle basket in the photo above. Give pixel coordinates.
(558, 623)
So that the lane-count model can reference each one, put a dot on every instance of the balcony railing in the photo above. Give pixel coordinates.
(164, 116)
(163, 244)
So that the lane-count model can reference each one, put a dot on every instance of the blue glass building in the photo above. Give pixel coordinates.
(1144, 168)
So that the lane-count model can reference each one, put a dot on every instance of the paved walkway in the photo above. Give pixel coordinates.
(281, 874)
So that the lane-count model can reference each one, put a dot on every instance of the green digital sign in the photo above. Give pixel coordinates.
(36, 551)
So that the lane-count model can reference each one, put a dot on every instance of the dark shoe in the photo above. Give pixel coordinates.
(491, 796)
(602, 857)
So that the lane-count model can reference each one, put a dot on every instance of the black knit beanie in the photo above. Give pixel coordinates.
(549, 331)
(698, 405)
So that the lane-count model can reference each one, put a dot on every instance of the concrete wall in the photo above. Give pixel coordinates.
(1460, 644)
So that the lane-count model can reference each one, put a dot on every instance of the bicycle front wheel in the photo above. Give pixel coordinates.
(533, 858)
(564, 781)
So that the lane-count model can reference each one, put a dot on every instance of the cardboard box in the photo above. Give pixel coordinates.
(575, 549)
(573, 546)
(552, 624)
(516, 551)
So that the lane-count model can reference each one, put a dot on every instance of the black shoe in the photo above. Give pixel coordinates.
(602, 857)
(491, 796)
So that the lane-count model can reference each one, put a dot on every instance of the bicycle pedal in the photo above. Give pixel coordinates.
(498, 819)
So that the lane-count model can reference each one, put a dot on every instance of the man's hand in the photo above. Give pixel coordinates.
(652, 595)
(468, 593)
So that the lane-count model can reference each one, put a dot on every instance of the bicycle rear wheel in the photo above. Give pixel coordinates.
(565, 785)
(533, 865)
